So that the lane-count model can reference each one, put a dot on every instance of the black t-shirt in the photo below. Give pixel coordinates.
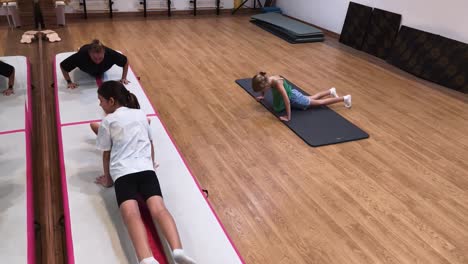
(6, 69)
(82, 60)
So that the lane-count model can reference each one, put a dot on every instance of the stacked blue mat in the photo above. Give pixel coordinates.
(287, 28)
(272, 9)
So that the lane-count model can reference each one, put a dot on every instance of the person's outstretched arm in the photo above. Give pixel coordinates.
(104, 143)
(11, 80)
(11, 83)
(124, 74)
(67, 66)
(120, 60)
(155, 163)
(105, 180)
(106, 163)
(152, 151)
(66, 75)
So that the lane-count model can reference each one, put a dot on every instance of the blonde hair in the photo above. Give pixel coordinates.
(259, 81)
(96, 46)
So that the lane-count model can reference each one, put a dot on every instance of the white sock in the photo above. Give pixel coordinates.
(333, 92)
(181, 258)
(347, 101)
(149, 260)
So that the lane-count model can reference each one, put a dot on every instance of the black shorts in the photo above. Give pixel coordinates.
(140, 184)
(6, 69)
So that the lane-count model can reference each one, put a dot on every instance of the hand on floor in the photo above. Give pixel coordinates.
(105, 181)
(72, 85)
(8, 92)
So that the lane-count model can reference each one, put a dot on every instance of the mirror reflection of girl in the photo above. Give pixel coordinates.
(8, 71)
(125, 138)
(285, 97)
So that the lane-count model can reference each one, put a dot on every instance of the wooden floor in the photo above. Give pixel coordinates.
(400, 196)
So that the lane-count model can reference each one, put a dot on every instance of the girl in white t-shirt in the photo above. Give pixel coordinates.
(125, 138)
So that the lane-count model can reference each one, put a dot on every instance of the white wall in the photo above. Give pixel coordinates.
(134, 5)
(447, 18)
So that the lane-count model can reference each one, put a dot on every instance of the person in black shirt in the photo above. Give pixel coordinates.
(8, 71)
(94, 59)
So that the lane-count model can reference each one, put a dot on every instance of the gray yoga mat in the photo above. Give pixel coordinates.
(286, 35)
(318, 126)
(297, 28)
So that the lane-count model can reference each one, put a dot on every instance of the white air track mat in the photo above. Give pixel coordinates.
(92, 220)
(12, 107)
(16, 208)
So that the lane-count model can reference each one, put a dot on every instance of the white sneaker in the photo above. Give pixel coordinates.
(347, 101)
(333, 92)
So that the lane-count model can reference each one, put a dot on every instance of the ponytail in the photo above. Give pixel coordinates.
(116, 90)
(132, 101)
